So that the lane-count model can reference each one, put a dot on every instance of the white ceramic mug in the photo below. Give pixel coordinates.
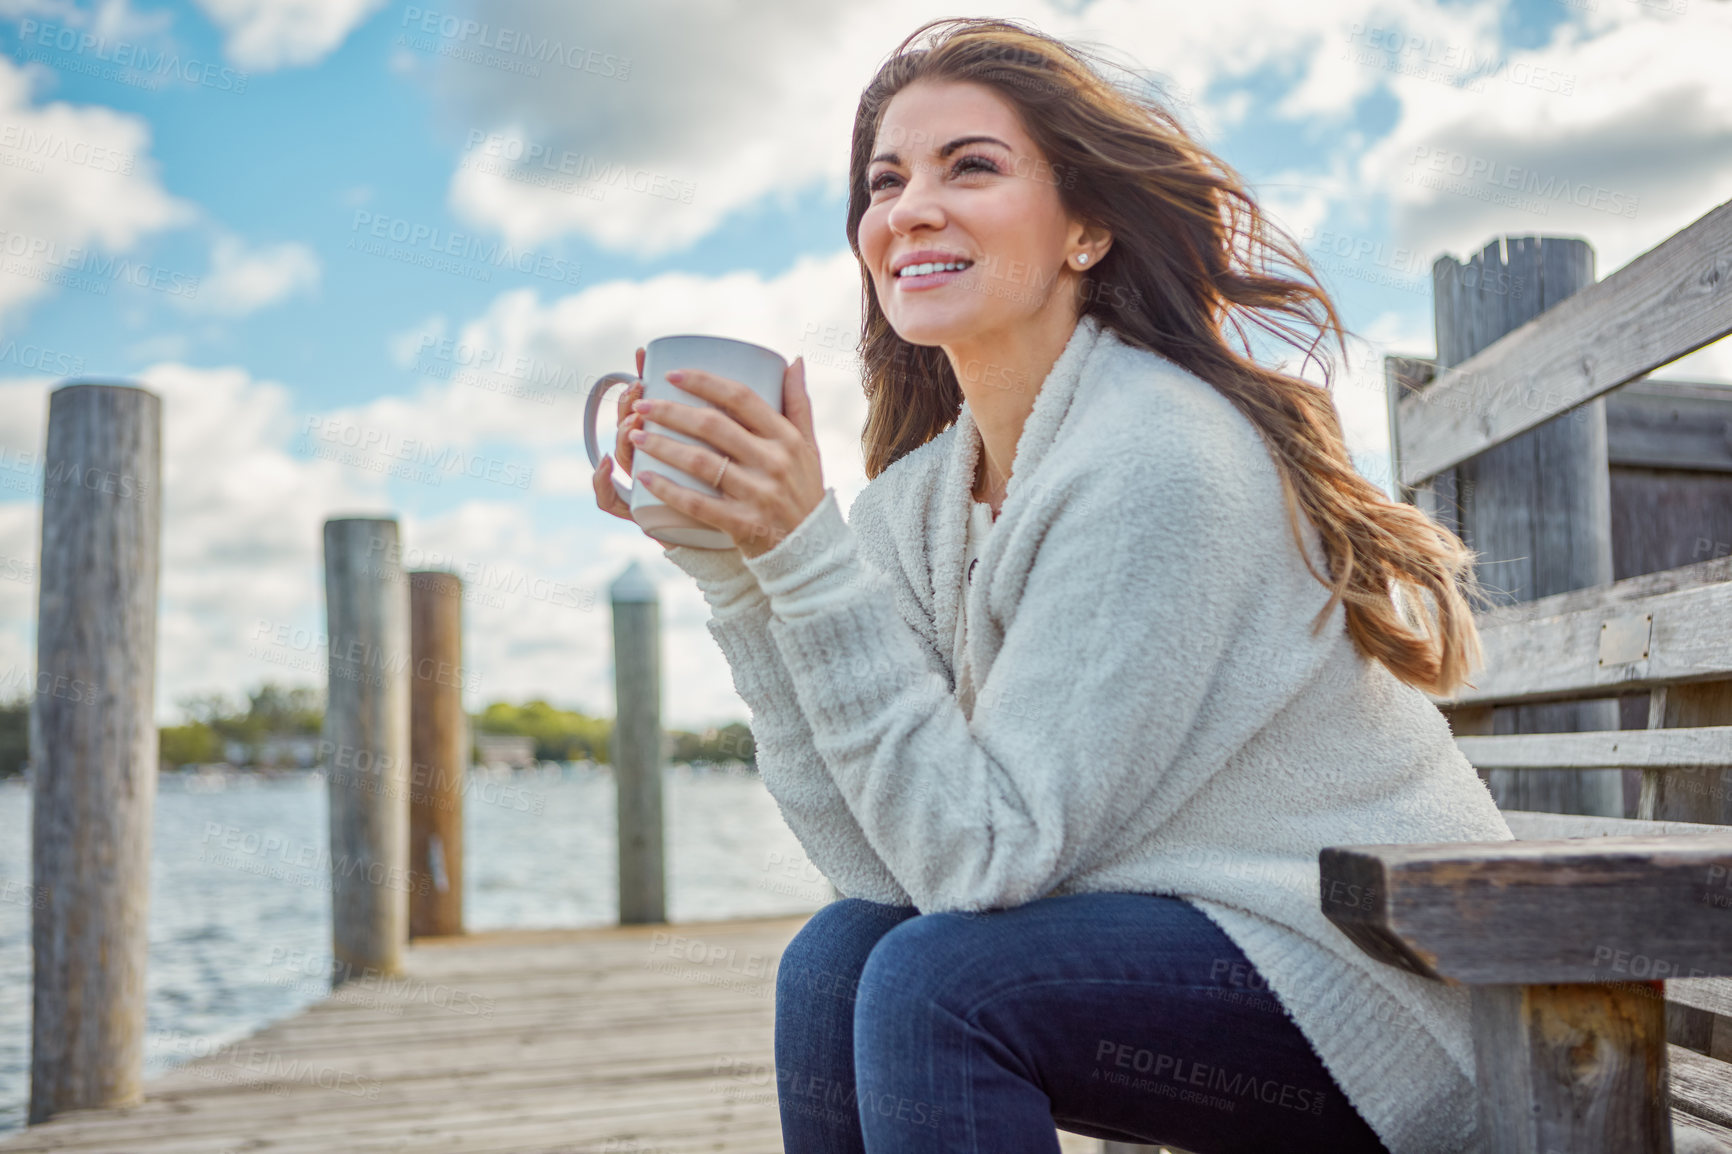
(752, 365)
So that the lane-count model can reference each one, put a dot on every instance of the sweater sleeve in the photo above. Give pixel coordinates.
(1124, 616)
(790, 767)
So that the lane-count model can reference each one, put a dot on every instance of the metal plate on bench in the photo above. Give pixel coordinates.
(1625, 639)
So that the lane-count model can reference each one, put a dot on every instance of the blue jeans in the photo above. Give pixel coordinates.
(1124, 1016)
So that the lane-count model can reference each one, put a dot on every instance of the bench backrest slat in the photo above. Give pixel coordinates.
(1698, 748)
(1599, 642)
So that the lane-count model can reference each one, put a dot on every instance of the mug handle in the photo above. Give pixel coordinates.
(591, 410)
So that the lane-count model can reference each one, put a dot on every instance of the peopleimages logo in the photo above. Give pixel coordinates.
(433, 242)
(382, 445)
(509, 42)
(40, 358)
(125, 54)
(516, 159)
(1461, 172)
(79, 261)
(37, 145)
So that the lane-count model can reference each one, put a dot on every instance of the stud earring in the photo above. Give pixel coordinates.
(1082, 258)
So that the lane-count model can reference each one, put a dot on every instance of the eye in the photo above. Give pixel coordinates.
(876, 184)
(976, 163)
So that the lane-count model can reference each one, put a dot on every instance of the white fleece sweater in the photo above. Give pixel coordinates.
(1154, 712)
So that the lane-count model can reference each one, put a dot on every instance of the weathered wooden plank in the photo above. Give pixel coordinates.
(1701, 1086)
(1705, 747)
(1609, 646)
(1668, 302)
(1541, 826)
(1665, 424)
(1711, 994)
(628, 1053)
(1703, 794)
(664, 1100)
(1522, 912)
(1613, 599)
(1693, 1135)
(1580, 1068)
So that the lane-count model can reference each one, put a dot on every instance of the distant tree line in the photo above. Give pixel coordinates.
(568, 735)
(274, 711)
(212, 723)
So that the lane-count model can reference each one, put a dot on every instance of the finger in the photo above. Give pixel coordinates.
(632, 392)
(737, 400)
(699, 461)
(640, 361)
(623, 449)
(687, 500)
(717, 430)
(797, 402)
(606, 496)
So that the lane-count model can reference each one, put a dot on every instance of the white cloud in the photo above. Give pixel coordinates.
(749, 108)
(743, 105)
(243, 280)
(76, 177)
(264, 35)
(1638, 146)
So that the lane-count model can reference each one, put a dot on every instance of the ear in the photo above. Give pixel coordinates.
(1092, 239)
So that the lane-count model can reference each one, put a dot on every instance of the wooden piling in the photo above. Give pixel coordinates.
(637, 745)
(438, 754)
(93, 746)
(366, 745)
(1538, 507)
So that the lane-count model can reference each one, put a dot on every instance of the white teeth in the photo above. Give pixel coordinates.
(932, 267)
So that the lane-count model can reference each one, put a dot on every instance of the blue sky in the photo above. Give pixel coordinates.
(703, 149)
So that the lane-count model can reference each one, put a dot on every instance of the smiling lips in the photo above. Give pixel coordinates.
(927, 269)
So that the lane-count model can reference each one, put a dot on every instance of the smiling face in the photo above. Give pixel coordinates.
(965, 235)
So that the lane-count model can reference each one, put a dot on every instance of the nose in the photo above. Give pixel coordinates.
(918, 204)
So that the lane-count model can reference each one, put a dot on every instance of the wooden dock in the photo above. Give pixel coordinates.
(620, 1040)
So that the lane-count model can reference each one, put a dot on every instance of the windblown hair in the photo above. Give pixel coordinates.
(1193, 259)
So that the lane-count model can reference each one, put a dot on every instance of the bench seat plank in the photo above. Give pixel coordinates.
(1548, 911)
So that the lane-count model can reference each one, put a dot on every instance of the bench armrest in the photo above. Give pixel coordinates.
(1528, 912)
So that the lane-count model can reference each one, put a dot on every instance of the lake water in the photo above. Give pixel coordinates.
(240, 933)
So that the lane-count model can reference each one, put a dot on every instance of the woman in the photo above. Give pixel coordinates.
(1115, 641)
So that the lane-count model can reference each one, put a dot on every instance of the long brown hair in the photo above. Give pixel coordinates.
(1193, 259)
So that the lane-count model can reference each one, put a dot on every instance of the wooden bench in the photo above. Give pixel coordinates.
(1568, 946)
(1505, 438)
(1598, 950)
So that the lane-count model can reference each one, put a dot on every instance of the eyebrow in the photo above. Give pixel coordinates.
(959, 142)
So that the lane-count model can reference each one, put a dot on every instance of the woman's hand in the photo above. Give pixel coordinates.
(606, 496)
(775, 478)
